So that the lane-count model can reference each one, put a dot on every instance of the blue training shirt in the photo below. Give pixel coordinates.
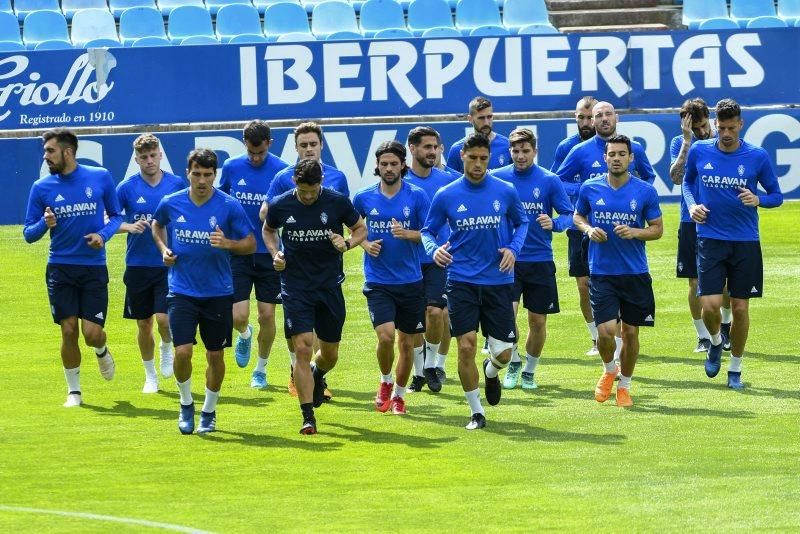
(249, 185)
(483, 218)
(541, 192)
(436, 180)
(633, 204)
(399, 260)
(201, 270)
(332, 178)
(139, 200)
(563, 149)
(674, 150)
(713, 179)
(79, 201)
(499, 155)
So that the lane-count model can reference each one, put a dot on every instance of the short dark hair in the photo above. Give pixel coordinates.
(415, 136)
(63, 136)
(696, 107)
(308, 127)
(308, 172)
(587, 101)
(728, 108)
(476, 140)
(618, 139)
(392, 147)
(479, 103)
(256, 132)
(522, 135)
(203, 157)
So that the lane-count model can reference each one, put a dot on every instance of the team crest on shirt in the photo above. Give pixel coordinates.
(212, 221)
(502, 160)
(406, 211)
(88, 192)
(536, 192)
(633, 205)
(741, 170)
(323, 217)
(496, 205)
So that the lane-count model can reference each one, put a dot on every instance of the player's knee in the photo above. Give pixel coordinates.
(433, 313)
(607, 329)
(739, 306)
(266, 317)
(145, 325)
(69, 328)
(536, 321)
(385, 334)
(467, 345)
(497, 348)
(405, 343)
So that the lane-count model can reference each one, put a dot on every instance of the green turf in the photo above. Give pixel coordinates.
(691, 455)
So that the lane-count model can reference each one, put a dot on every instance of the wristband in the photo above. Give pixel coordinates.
(347, 244)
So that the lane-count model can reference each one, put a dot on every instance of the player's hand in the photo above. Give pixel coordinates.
(686, 127)
(168, 257)
(49, 217)
(699, 213)
(545, 222)
(373, 248)
(338, 242)
(138, 227)
(94, 240)
(279, 261)
(598, 235)
(398, 231)
(507, 260)
(218, 239)
(749, 198)
(441, 257)
(624, 231)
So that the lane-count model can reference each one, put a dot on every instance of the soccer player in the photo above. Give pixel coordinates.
(247, 178)
(205, 227)
(541, 193)
(311, 265)
(584, 161)
(721, 192)
(145, 274)
(70, 204)
(395, 210)
(612, 210)
(481, 117)
(423, 142)
(583, 118)
(488, 225)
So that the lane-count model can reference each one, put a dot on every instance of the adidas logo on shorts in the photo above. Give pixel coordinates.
(550, 307)
(709, 166)
(241, 182)
(419, 325)
(374, 211)
(754, 290)
(461, 208)
(180, 219)
(596, 164)
(511, 335)
(141, 200)
(649, 319)
(99, 315)
(600, 202)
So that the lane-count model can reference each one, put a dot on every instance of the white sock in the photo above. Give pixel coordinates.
(716, 339)
(150, 369)
(726, 315)
(433, 350)
(293, 358)
(185, 391)
(474, 400)
(419, 360)
(530, 364)
(592, 330)
(735, 365)
(210, 404)
(99, 351)
(624, 382)
(246, 333)
(261, 364)
(73, 377)
(399, 391)
(165, 346)
(491, 370)
(515, 355)
(618, 347)
(610, 367)
(387, 379)
(440, 360)
(702, 331)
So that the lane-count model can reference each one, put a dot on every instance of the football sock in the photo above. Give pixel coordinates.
(735, 365)
(185, 391)
(292, 358)
(726, 314)
(101, 351)
(399, 391)
(246, 333)
(387, 379)
(490, 370)
(433, 350)
(73, 377)
(149, 368)
(210, 404)
(617, 347)
(307, 409)
(592, 330)
(610, 367)
(716, 339)
(440, 360)
(474, 400)
(702, 331)
(530, 364)
(261, 364)
(624, 382)
(419, 360)
(515, 355)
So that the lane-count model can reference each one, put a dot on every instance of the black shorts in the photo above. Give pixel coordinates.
(213, 315)
(255, 270)
(737, 262)
(401, 304)
(77, 291)
(489, 307)
(626, 296)
(686, 266)
(145, 292)
(322, 311)
(535, 282)
(434, 278)
(577, 253)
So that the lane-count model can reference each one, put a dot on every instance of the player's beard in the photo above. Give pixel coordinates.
(390, 182)
(427, 163)
(586, 133)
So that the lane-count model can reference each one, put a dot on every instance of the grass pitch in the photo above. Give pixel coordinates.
(691, 454)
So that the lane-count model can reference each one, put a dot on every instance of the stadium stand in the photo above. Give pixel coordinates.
(11, 46)
(333, 16)
(284, 18)
(70, 7)
(102, 43)
(248, 38)
(117, 7)
(309, 5)
(166, 6)
(718, 23)
(5, 6)
(189, 21)
(488, 31)
(9, 28)
(425, 14)
(743, 11)
(393, 33)
(44, 26)
(789, 10)
(214, 6)
(55, 44)
(23, 7)
(295, 37)
(696, 11)
(138, 22)
(237, 19)
(151, 41)
(520, 13)
(471, 14)
(766, 22)
(532, 29)
(343, 36)
(441, 32)
(262, 5)
(379, 15)
(92, 24)
(199, 40)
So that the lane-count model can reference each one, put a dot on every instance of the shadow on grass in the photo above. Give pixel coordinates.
(227, 399)
(305, 443)
(777, 358)
(126, 409)
(359, 434)
(720, 384)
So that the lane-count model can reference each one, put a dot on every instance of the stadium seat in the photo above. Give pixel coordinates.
(333, 16)
(489, 31)
(743, 11)
(696, 11)
(309, 5)
(285, 18)
(789, 10)
(262, 5)
(533, 29)
(11, 46)
(425, 14)
(237, 19)
(5, 5)
(117, 7)
(248, 38)
(151, 41)
(54, 44)
(166, 6)
(102, 42)
(718, 24)
(214, 6)
(44, 26)
(472, 14)
(379, 15)
(766, 22)
(23, 7)
(344, 36)
(797, 23)
(296, 37)
(441, 32)
(138, 22)
(199, 40)
(92, 24)
(70, 7)
(9, 28)
(520, 13)
(188, 21)
(393, 33)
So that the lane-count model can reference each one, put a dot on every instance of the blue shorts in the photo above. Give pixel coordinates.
(535, 282)
(625, 296)
(738, 262)
(322, 311)
(213, 315)
(255, 270)
(686, 266)
(577, 253)
(434, 278)
(401, 304)
(77, 291)
(489, 307)
(145, 292)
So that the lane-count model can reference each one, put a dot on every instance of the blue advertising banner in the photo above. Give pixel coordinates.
(351, 149)
(389, 78)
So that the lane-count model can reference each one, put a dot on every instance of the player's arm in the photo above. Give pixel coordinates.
(421, 207)
(766, 177)
(643, 167)
(454, 159)
(581, 221)
(558, 157)
(698, 212)
(567, 171)
(242, 240)
(358, 232)
(113, 211)
(653, 231)
(433, 223)
(38, 218)
(519, 219)
(678, 166)
(562, 205)
(158, 228)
